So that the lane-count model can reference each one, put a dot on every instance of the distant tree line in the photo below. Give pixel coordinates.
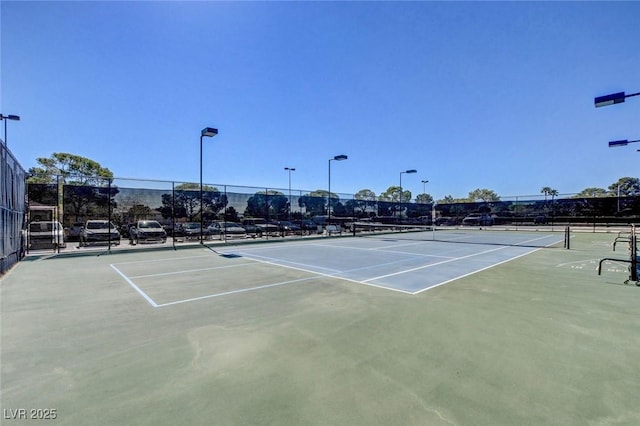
(89, 192)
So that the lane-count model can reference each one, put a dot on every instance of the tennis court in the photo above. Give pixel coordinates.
(409, 262)
(356, 331)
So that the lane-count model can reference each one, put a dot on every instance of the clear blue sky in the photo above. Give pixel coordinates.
(495, 95)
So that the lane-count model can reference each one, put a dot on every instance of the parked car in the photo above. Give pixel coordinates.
(252, 230)
(191, 230)
(288, 227)
(99, 231)
(147, 231)
(478, 219)
(540, 220)
(266, 227)
(443, 220)
(233, 230)
(46, 234)
(213, 228)
(307, 226)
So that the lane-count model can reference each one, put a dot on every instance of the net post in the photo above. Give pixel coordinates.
(634, 256)
(567, 237)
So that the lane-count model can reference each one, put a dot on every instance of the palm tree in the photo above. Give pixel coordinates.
(546, 190)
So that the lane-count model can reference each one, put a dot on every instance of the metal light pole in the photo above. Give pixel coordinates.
(208, 132)
(424, 186)
(408, 172)
(290, 169)
(336, 158)
(5, 118)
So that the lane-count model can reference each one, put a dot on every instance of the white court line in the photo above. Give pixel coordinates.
(161, 260)
(242, 290)
(455, 259)
(335, 275)
(186, 271)
(135, 287)
(384, 249)
(477, 270)
(274, 261)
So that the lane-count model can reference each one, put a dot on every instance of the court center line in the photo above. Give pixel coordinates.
(335, 275)
(275, 261)
(384, 250)
(452, 260)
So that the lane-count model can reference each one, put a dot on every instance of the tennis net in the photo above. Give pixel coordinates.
(463, 235)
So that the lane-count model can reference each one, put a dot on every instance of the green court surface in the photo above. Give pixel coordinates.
(192, 337)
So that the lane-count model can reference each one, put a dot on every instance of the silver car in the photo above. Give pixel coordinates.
(99, 231)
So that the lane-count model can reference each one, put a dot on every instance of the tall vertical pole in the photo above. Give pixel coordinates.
(329, 195)
(201, 195)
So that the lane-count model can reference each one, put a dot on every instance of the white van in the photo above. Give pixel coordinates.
(45, 234)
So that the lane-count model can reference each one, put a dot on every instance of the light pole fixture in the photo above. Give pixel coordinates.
(290, 169)
(614, 98)
(5, 118)
(408, 172)
(336, 158)
(623, 142)
(424, 186)
(208, 132)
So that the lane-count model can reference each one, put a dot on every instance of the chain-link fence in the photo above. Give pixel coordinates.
(12, 208)
(222, 212)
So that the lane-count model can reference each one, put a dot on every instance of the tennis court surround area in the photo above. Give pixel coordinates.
(465, 328)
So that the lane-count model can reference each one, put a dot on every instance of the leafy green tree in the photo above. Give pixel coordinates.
(72, 169)
(186, 202)
(84, 188)
(314, 202)
(591, 193)
(231, 215)
(363, 200)
(267, 204)
(448, 199)
(626, 186)
(485, 195)
(424, 199)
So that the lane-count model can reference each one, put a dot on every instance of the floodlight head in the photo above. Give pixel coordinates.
(209, 131)
(623, 142)
(614, 98)
(10, 117)
(425, 181)
(340, 157)
(291, 169)
(411, 171)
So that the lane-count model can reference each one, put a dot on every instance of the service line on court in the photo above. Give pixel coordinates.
(455, 259)
(242, 290)
(336, 274)
(208, 296)
(385, 249)
(134, 286)
(187, 271)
